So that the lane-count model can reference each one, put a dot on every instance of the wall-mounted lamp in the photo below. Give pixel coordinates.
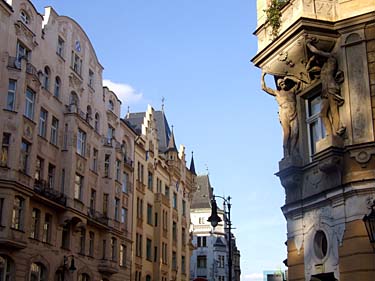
(369, 221)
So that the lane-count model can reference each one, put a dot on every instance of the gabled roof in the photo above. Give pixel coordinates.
(202, 196)
(162, 126)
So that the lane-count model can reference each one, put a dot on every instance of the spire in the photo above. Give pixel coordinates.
(192, 165)
(162, 104)
(171, 143)
(128, 113)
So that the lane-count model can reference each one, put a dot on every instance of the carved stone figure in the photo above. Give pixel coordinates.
(330, 77)
(286, 98)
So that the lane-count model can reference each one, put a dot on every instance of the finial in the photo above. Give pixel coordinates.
(162, 103)
(208, 173)
(128, 113)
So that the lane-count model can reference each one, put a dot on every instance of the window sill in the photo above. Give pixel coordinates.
(54, 145)
(18, 230)
(60, 56)
(10, 110)
(43, 138)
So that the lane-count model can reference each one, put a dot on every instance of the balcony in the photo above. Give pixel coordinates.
(141, 186)
(128, 162)
(159, 197)
(108, 267)
(97, 217)
(42, 189)
(12, 239)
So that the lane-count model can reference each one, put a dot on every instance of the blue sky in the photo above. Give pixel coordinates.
(196, 54)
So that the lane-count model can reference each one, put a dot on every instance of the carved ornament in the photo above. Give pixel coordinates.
(362, 156)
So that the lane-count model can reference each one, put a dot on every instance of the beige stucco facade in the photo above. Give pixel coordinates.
(323, 60)
(162, 197)
(67, 159)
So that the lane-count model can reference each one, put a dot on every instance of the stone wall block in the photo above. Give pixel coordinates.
(371, 46)
(370, 32)
(371, 56)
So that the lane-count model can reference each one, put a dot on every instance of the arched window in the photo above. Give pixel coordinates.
(6, 269)
(38, 272)
(84, 277)
(73, 102)
(148, 278)
(24, 17)
(46, 79)
(111, 106)
(97, 122)
(18, 213)
(56, 91)
(88, 113)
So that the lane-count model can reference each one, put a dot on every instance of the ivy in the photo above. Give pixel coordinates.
(273, 14)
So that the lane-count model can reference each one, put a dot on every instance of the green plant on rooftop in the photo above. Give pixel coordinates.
(273, 14)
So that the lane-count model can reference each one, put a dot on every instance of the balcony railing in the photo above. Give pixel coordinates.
(97, 216)
(42, 188)
(108, 267)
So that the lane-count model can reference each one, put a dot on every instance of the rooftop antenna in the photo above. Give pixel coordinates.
(208, 172)
(128, 113)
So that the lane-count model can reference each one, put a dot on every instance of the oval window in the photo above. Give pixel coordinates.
(320, 244)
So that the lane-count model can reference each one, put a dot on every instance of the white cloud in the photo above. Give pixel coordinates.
(253, 277)
(126, 93)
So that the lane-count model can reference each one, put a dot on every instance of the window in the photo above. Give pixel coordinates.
(65, 137)
(125, 177)
(1, 214)
(91, 243)
(117, 208)
(73, 102)
(140, 172)
(104, 256)
(95, 160)
(138, 245)
(84, 277)
(202, 261)
(315, 127)
(150, 181)
(54, 130)
(76, 63)
(82, 241)
(111, 105)
(149, 249)
(174, 202)
(202, 220)
(122, 255)
(183, 237)
(105, 204)
(167, 191)
(118, 170)
(65, 236)
(158, 185)
(91, 78)
(183, 265)
(92, 199)
(114, 248)
(148, 278)
(11, 97)
(38, 272)
(5, 150)
(139, 208)
(22, 53)
(47, 228)
(24, 17)
(35, 223)
(43, 122)
(29, 104)
(221, 261)
(6, 269)
(183, 207)
(97, 122)
(110, 134)
(46, 78)
(81, 142)
(107, 160)
(78, 187)
(164, 255)
(165, 220)
(60, 46)
(202, 241)
(56, 90)
(174, 231)
(156, 219)
(149, 214)
(174, 260)
(63, 180)
(51, 175)
(124, 215)
(25, 156)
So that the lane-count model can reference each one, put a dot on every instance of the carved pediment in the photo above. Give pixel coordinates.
(76, 83)
(25, 34)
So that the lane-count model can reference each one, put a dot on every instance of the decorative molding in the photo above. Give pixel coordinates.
(363, 155)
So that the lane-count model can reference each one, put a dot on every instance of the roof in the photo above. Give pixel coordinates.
(162, 126)
(203, 194)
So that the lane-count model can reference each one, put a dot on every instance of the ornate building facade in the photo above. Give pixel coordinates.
(321, 56)
(67, 158)
(163, 192)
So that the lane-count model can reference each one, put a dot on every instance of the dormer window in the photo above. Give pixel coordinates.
(24, 17)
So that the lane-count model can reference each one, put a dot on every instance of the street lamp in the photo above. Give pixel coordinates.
(65, 267)
(214, 219)
(369, 221)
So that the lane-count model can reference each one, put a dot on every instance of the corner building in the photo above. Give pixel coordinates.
(163, 192)
(66, 170)
(322, 57)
